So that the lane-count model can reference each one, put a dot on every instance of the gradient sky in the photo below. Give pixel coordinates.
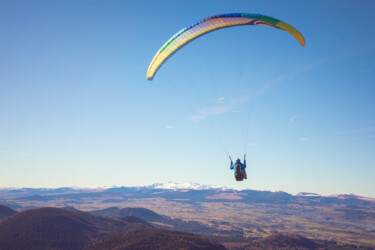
(76, 108)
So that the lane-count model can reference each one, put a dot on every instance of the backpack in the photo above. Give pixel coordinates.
(238, 173)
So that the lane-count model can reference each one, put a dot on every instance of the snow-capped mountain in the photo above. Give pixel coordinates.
(185, 186)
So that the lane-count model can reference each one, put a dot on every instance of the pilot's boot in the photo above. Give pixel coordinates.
(245, 173)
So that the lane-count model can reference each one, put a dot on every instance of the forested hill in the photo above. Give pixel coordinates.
(140, 212)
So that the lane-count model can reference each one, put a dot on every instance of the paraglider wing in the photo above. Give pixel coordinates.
(202, 27)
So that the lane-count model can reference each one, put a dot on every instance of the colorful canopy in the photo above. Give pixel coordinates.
(210, 24)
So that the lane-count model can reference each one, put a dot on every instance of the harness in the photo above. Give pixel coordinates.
(238, 172)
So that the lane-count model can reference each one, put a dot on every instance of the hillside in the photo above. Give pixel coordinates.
(6, 211)
(152, 238)
(50, 228)
(140, 212)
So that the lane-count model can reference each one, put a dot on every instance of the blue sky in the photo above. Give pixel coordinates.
(76, 108)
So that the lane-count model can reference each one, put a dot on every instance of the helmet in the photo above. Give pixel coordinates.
(238, 160)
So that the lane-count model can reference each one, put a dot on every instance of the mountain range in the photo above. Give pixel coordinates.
(37, 193)
(221, 214)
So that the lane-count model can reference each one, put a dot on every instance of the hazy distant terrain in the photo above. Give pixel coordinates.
(223, 215)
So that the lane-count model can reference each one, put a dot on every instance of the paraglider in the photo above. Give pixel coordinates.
(205, 26)
(239, 168)
(209, 24)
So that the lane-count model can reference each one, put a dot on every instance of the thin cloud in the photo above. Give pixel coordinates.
(303, 139)
(230, 106)
(251, 144)
(292, 118)
(222, 108)
(221, 99)
(206, 112)
(168, 126)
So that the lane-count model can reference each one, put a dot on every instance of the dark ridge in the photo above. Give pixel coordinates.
(6, 211)
(132, 219)
(70, 208)
(56, 228)
(33, 198)
(49, 197)
(123, 189)
(111, 212)
(143, 213)
(153, 238)
(114, 200)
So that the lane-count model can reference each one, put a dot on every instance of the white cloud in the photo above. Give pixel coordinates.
(221, 99)
(209, 111)
(304, 139)
(292, 118)
(168, 126)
